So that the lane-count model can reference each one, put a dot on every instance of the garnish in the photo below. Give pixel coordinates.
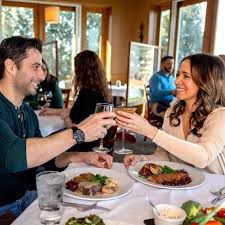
(168, 170)
(99, 179)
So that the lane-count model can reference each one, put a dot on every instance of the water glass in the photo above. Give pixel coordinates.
(50, 194)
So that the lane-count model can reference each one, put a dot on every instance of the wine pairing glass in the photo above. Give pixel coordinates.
(123, 150)
(103, 107)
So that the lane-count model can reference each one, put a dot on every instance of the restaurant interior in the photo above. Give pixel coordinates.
(130, 38)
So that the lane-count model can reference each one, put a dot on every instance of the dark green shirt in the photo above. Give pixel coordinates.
(16, 125)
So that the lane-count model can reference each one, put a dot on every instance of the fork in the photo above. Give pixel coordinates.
(218, 193)
(218, 199)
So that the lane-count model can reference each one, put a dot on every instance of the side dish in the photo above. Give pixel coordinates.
(164, 175)
(90, 184)
(87, 220)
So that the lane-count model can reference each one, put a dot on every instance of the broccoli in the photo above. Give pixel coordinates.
(193, 211)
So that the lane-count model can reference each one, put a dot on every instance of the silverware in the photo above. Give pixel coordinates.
(217, 193)
(218, 199)
(83, 207)
(148, 201)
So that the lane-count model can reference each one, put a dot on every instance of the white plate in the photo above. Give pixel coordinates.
(125, 183)
(197, 177)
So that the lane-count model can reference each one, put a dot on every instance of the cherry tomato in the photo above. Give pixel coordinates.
(221, 213)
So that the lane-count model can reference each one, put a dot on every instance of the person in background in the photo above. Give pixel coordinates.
(162, 87)
(23, 152)
(91, 86)
(48, 90)
(223, 58)
(193, 131)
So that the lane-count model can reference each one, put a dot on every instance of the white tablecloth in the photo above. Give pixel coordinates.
(49, 124)
(132, 208)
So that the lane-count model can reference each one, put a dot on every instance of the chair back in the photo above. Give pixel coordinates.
(66, 96)
(147, 89)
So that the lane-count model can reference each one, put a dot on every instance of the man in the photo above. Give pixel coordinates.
(162, 87)
(22, 149)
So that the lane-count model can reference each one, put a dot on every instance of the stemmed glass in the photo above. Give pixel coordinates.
(123, 150)
(102, 107)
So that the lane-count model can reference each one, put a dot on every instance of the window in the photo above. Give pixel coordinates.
(64, 34)
(93, 31)
(164, 31)
(219, 40)
(16, 21)
(191, 26)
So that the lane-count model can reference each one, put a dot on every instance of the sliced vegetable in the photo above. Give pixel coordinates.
(222, 220)
(221, 213)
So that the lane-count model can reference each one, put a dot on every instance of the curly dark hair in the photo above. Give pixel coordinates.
(89, 74)
(208, 73)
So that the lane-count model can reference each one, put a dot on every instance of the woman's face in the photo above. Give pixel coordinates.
(44, 68)
(186, 89)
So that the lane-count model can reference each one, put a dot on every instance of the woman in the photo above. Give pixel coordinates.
(48, 88)
(90, 84)
(194, 127)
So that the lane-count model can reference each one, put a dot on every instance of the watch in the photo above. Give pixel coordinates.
(78, 135)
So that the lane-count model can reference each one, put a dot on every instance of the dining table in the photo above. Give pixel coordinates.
(49, 124)
(131, 209)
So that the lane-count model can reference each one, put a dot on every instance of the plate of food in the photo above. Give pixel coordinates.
(93, 219)
(167, 175)
(96, 184)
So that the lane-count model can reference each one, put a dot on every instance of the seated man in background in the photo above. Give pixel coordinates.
(162, 87)
(22, 149)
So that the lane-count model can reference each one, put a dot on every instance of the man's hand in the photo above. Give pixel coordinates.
(97, 159)
(95, 125)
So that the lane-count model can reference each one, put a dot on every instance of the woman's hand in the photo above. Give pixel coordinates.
(97, 159)
(131, 160)
(136, 123)
(50, 112)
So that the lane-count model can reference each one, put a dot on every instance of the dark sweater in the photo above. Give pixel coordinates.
(16, 125)
(82, 108)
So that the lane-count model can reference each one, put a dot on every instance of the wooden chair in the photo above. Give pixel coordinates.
(151, 117)
(66, 96)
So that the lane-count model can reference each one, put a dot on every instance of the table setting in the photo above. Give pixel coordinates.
(129, 205)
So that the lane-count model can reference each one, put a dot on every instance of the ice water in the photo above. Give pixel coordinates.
(49, 187)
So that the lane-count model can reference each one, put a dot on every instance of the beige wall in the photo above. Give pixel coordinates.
(126, 18)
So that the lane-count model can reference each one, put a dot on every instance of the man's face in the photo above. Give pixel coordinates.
(30, 73)
(168, 66)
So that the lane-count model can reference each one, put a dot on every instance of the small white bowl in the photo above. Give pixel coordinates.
(169, 215)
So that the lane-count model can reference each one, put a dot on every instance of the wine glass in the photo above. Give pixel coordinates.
(102, 107)
(123, 150)
(41, 99)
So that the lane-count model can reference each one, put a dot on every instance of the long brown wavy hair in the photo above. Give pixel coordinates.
(89, 74)
(208, 73)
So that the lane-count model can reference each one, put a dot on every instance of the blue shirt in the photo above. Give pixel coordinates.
(161, 87)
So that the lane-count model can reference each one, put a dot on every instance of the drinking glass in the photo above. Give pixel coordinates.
(42, 99)
(123, 150)
(50, 194)
(102, 107)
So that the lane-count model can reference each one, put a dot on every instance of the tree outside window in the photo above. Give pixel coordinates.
(16, 21)
(63, 33)
(164, 31)
(191, 30)
(93, 31)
